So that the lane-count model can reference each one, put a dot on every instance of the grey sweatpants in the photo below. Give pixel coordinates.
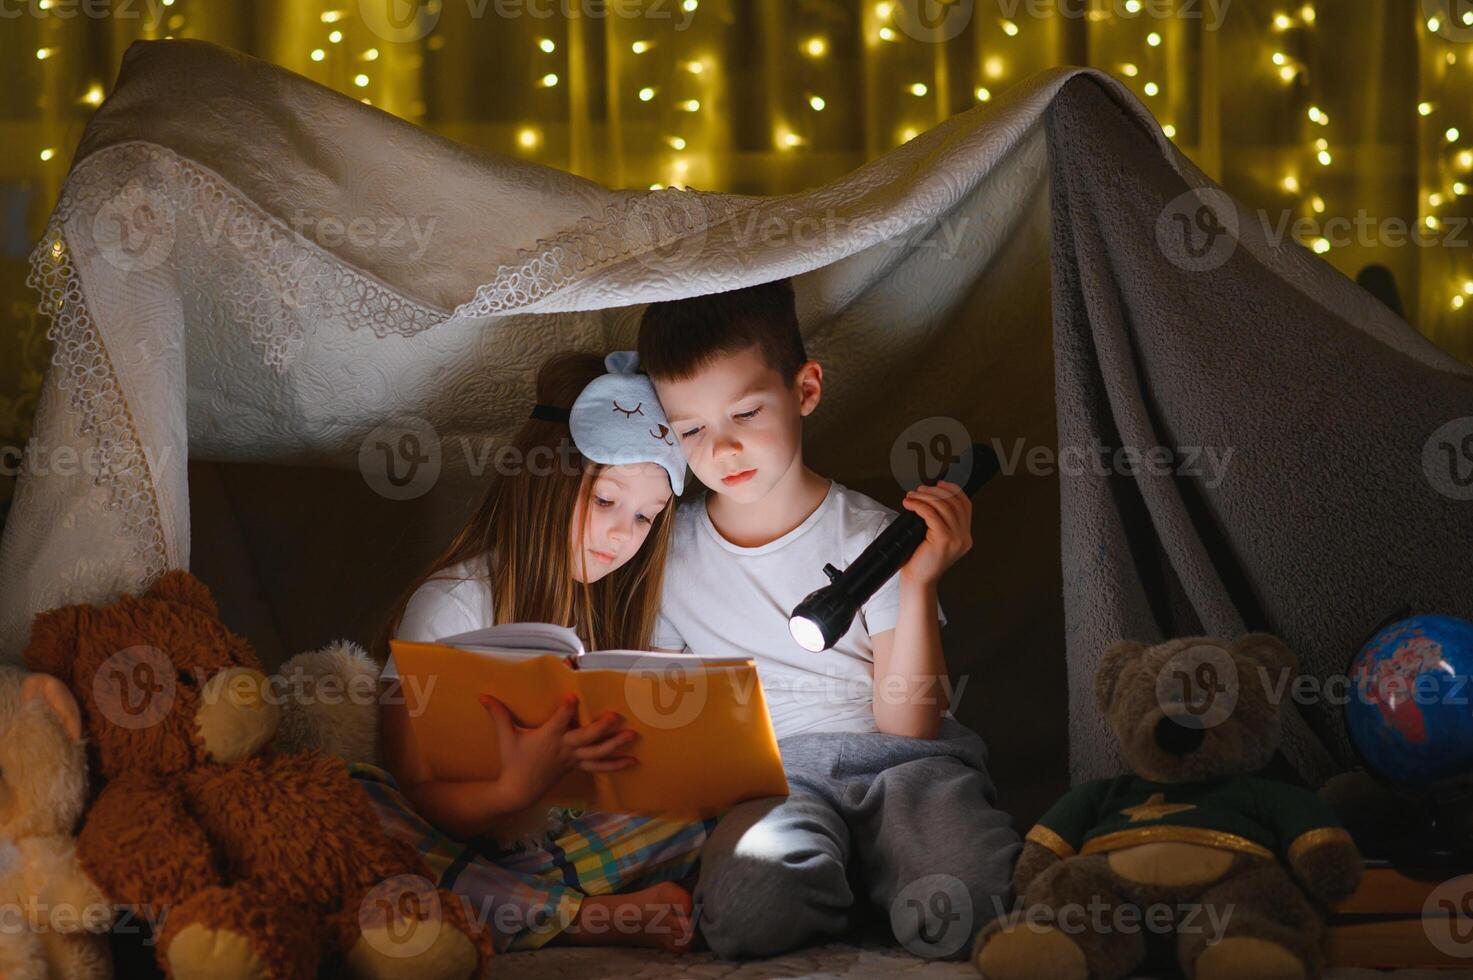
(910, 822)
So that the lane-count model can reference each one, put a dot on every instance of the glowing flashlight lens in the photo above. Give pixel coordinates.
(807, 633)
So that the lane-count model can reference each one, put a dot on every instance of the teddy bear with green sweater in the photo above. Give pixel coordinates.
(1190, 854)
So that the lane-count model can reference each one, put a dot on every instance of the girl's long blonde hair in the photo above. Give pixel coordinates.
(523, 523)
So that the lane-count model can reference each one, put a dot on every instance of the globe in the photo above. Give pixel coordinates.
(1410, 711)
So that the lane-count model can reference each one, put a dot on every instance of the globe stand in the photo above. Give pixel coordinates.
(1438, 843)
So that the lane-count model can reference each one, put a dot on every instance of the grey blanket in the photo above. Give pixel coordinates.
(1341, 498)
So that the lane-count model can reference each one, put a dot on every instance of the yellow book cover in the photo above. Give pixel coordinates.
(705, 738)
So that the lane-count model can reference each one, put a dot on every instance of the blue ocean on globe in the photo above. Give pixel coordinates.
(1410, 712)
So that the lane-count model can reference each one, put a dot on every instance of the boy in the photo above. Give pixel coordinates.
(889, 797)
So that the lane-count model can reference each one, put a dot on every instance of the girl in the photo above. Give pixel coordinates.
(576, 535)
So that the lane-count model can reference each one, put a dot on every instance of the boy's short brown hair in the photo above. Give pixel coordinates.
(678, 337)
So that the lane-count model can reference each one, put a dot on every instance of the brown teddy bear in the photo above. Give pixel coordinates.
(53, 920)
(253, 863)
(1189, 847)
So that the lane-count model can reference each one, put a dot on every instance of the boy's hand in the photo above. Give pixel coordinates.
(533, 759)
(947, 512)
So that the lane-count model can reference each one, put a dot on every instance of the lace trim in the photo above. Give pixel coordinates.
(85, 376)
(666, 228)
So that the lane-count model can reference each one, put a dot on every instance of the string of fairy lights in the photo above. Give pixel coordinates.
(680, 96)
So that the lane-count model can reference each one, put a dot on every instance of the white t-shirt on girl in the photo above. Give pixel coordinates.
(455, 599)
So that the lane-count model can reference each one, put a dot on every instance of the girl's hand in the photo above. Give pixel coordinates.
(947, 512)
(534, 758)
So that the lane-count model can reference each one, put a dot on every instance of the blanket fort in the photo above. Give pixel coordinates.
(247, 267)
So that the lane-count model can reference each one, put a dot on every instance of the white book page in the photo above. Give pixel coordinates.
(625, 659)
(532, 639)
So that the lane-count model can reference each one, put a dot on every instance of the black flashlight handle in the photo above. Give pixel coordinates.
(893, 546)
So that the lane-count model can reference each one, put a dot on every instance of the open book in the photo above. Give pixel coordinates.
(705, 738)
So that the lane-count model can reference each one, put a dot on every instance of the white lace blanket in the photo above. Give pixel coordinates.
(245, 266)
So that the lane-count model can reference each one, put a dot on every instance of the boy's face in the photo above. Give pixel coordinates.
(740, 425)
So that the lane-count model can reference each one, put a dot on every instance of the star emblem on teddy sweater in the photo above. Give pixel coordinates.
(1154, 808)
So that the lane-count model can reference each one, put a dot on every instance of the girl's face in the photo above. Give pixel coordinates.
(624, 502)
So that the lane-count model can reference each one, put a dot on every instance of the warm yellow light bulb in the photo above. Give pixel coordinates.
(640, 47)
(1468, 286)
(1306, 13)
(336, 37)
(1434, 199)
(1457, 302)
(1424, 108)
(1430, 221)
(332, 16)
(886, 34)
(93, 95)
(1008, 27)
(689, 6)
(360, 80)
(47, 154)
(549, 80)
(917, 88)
(1282, 22)
(1153, 39)
(907, 134)
(1291, 184)
(695, 67)
(1465, 159)
(1318, 204)
(1169, 130)
(528, 137)
(1279, 58)
(1452, 134)
(318, 54)
(993, 67)
(676, 142)
(817, 103)
(1321, 245)
(43, 53)
(882, 10)
(1129, 70)
(371, 54)
(815, 47)
(1433, 24)
(1324, 158)
(1132, 6)
(983, 93)
(1459, 188)
(690, 105)
(1151, 88)
(646, 93)
(1287, 73)
(547, 45)
(1321, 144)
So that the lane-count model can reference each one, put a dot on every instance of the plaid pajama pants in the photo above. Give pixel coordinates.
(527, 897)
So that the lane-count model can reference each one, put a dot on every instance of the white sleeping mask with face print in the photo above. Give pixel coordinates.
(617, 419)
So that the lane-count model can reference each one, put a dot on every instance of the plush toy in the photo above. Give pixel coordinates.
(255, 863)
(53, 920)
(1190, 848)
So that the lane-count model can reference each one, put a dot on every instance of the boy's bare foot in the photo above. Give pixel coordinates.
(658, 917)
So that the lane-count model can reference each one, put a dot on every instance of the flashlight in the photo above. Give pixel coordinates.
(825, 615)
